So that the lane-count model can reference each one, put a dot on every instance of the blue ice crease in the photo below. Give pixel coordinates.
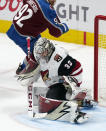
(97, 122)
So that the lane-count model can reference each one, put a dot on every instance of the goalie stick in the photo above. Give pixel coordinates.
(30, 89)
(28, 46)
(30, 93)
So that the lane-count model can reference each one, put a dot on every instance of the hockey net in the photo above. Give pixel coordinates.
(100, 59)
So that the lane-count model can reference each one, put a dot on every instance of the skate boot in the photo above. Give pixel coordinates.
(87, 103)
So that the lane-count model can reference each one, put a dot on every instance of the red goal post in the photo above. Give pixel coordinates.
(99, 42)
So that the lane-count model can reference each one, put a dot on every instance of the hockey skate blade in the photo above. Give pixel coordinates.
(91, 105)
(83, 119)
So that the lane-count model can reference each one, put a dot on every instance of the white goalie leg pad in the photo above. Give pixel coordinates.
(88, 94)
(60, 110)
(68, 111)
(75, 115)
(64, 112)
(81, 118)
(73, 111)
(77, 92)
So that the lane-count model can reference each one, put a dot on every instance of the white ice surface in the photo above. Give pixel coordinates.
(13, 97)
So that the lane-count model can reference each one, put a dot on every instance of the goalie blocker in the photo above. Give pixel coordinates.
(60, 110)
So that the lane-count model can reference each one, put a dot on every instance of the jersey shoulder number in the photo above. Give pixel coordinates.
(24, 14)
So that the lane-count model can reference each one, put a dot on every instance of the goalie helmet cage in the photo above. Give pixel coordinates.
(100, 58)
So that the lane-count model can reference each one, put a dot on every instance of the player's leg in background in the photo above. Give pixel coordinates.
(21, 41)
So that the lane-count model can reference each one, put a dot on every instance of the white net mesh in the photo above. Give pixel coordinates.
(102, 62)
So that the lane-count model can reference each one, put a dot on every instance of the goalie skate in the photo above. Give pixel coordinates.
(87, 103)
(84, 101)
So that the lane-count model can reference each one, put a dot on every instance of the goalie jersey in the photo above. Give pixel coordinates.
(35, 16)
(60, 64)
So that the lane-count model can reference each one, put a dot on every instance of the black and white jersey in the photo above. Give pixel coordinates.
(60, 64)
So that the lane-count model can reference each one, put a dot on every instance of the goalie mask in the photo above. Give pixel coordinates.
(43, 49)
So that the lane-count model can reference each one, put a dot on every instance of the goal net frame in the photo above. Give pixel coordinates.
(97, 20)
